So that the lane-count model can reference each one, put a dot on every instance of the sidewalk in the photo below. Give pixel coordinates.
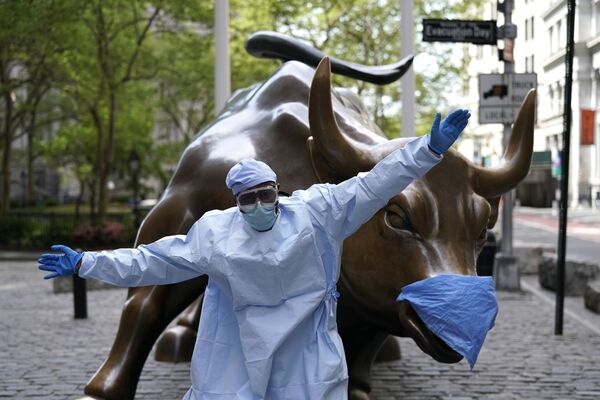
(45, 354)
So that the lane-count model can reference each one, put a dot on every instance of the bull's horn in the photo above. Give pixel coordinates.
(335, 148)
(493, 182)
(268, 44)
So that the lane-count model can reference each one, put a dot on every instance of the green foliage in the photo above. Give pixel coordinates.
(114, 88)
(361, 31)
(248, 17)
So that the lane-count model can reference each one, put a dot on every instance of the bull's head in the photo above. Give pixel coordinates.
(437, 225)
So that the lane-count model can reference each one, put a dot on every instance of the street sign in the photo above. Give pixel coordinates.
(453, 30)
(501, 95)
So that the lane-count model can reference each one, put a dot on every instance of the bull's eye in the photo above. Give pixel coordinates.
(398, 219)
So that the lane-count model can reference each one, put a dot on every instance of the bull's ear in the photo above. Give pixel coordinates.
(494, 203)
(322, 169)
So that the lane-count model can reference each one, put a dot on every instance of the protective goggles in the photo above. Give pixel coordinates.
(248, 199)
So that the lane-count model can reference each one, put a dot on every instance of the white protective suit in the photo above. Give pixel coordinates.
(268, 327)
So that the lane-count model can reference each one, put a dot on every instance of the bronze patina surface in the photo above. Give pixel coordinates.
(436, 225)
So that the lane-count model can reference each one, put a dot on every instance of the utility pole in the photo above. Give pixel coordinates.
(506, 272)
(222, 68)
(408, 80)
(564, 161)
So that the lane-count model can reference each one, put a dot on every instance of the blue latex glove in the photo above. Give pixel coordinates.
(60, 264)
(444, 134)
(459, 309)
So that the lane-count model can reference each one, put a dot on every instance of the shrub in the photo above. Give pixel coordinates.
(85, 234)
(35, 230)
(113, 233)
(109, 235)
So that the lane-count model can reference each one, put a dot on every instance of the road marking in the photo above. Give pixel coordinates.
(550, 301)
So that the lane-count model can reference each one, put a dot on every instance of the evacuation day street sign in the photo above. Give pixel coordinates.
(501, 95)
(454, 30)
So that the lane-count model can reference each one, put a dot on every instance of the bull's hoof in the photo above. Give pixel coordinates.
(389, 351)
(355, 393)
(176, 345)
(100, 390)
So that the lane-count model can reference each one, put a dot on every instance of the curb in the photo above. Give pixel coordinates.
(19, 255)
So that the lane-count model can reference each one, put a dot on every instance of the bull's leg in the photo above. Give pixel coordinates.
(390, 350)
(362, 342)
(176, 344)
(147, 311)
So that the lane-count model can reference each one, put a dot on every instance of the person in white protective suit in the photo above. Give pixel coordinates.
(268, 326)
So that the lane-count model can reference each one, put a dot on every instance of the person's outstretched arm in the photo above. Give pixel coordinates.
(171, 259)
(341, 209)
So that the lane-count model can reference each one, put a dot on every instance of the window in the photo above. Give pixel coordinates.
(532, 62)
(551, 37)
(559, 41)
(526, 29)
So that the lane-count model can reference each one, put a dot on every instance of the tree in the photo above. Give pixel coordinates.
(125, 61)
(27, 47)
(112, 71)
(368, 32)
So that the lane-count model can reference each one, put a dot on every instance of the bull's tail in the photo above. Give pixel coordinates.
(266, 44)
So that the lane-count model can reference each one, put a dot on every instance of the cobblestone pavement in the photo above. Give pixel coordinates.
(45, 353)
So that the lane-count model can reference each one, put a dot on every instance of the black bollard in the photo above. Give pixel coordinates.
(79, 297)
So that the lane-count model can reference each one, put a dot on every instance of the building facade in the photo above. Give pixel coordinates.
(540, 48)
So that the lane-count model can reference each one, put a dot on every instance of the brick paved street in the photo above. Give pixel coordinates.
(44, 353)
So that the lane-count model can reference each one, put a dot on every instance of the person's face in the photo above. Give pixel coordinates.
(265, 193)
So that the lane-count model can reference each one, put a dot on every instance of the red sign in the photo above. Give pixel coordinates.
(587, 126)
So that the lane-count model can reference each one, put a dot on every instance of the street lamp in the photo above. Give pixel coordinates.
(134, 166)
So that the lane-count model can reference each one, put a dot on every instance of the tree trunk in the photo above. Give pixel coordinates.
(99, 161)
(93, 201)
(6, 153)
(108, 156)
(30, 194)
(79, 198)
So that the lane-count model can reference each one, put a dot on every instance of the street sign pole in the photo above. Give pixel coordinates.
(507, 209)
(506, 272)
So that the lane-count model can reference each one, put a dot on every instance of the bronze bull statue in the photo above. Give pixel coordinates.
(436, 225)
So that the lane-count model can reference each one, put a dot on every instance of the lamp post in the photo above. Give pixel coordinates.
(134, 166)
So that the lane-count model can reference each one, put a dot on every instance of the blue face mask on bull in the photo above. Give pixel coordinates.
(458, 309)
